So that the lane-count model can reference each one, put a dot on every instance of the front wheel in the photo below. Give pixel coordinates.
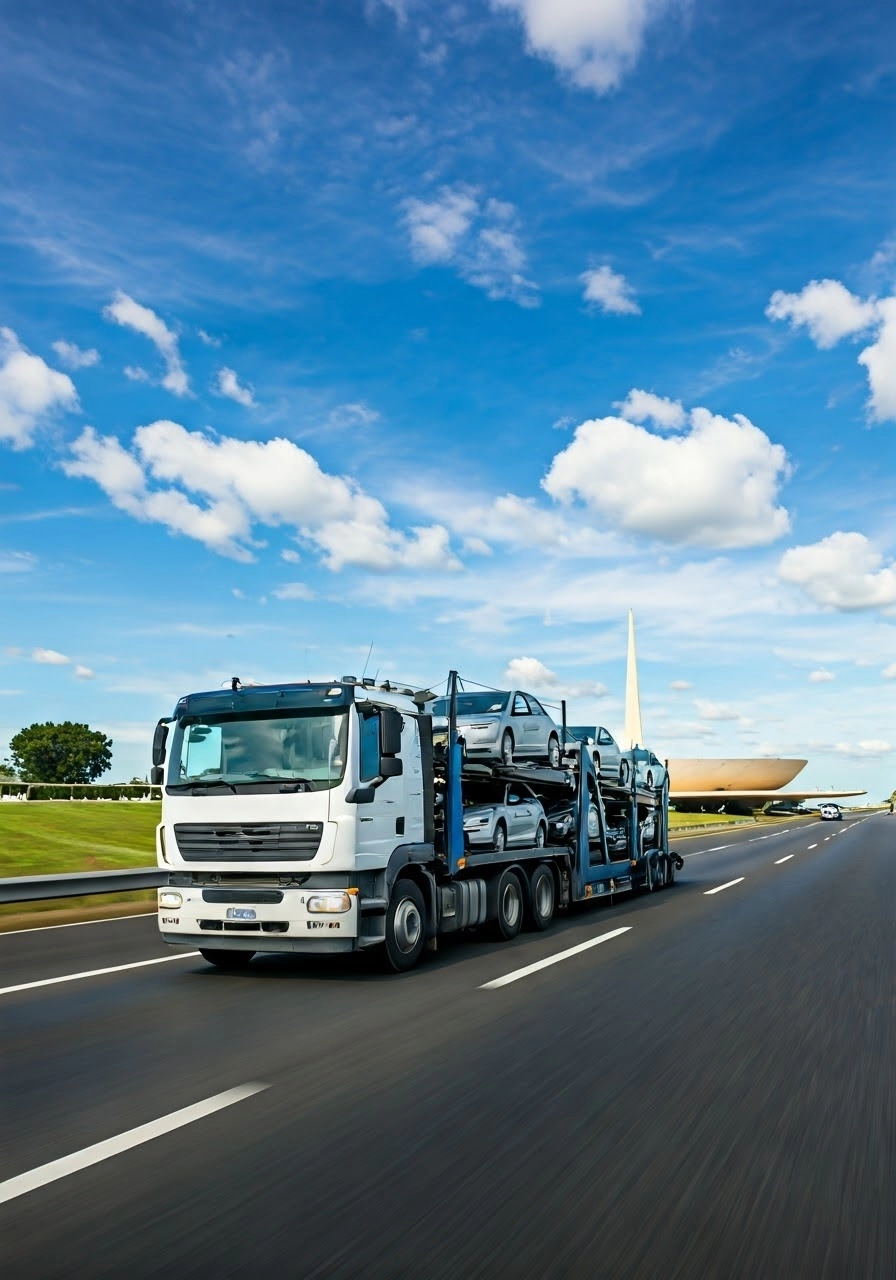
(507, 747)
(624, 773)
(405, 927)
(500, 839)
(226, 959)
(541, 836)
(554, 752)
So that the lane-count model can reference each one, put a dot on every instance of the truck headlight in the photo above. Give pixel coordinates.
(328, 902)
(170, 898)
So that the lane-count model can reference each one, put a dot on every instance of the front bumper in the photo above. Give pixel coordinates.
(205, 918)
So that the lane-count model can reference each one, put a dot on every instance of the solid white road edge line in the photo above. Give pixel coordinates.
(778, 861)
(94, 973)
(720, 887)
(561, 955)
(45, 1173)
(77, 924)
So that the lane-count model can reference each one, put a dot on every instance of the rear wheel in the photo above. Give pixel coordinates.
(541, 836)
(405, 927)
(670, 870)
(543, 894)
(507, 747)
(625, 773)
(226, 959)
(554, 752)
(509, 919)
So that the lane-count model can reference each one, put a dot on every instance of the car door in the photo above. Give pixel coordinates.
(542, 725)
(522, 724)
(521, 814)
(608, 751)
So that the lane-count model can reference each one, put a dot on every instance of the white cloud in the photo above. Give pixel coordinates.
(132, 315)
(611, 292)
(84, 673)
(889, 673)
(49, 658)
(869, 747)
(356, 414)
(208, 339)
(830, 312)
(532, 674)
(30, 391)
(708, 710)
(290, 556)
(826, 308)
(480, 241)
(17, 561)
(679, 685)
(716, 485)
(821, 677)
(73, 357)
(136, 374)
(644, 406)
(247, 482)
(595, 42)
(228, 384)
(294, 591)
(844, 571)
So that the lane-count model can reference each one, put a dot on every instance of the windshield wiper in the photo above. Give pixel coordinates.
(285, 784)
(197, 788)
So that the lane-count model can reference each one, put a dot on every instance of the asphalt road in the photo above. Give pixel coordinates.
(707, 1094)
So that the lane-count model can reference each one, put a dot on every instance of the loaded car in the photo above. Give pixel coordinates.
(649, 769)
(830, 812)
(603, 746)
(500, 816)
(499, 726)
(561, 826)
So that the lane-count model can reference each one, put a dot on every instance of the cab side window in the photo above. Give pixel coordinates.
(370, 746)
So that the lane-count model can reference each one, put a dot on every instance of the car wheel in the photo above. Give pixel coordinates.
(596, 760)
(500, 839)
(554, 752)
(541, 836)
(509, 919)
(624, 773)
(543, 897)
(650, 778)
(507, 747)
(405, 927)
(226, 959)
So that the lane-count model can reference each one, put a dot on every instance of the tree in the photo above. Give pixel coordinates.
(60, 753)
(7, 772)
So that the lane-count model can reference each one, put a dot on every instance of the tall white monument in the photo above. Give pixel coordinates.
(633, 735)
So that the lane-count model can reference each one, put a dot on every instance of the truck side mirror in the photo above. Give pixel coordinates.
(391, 724)
(391, 767)
(157, 775)
(159, 738)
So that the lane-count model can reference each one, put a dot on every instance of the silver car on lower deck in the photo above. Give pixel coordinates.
(503, 815)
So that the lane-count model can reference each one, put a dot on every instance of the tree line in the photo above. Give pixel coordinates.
(65, 752)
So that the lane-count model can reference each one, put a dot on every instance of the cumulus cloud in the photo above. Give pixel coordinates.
(84, 673)
(821, 677)
(133, 315)
(228, 384)
(889, 673)
(480, 240)
(609, 291)
(136, 373)
(49, 658)
(844, 571)
(708, 710)
(217, 490)
(868, 747)
(73, 357)
(715, 485)
(830, 312)
(532, 674)
(208, 339)
(290, 556)
(644, 406)
(30, 392)
(594, 42)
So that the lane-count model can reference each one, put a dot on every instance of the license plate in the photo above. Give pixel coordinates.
(240, 913)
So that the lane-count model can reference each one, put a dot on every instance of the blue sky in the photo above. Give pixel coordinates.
(457, 330)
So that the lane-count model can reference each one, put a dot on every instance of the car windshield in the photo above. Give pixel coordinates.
(473, 704)
(581, 732)
(298, 747)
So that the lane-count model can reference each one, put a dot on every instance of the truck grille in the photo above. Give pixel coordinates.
(235, 842)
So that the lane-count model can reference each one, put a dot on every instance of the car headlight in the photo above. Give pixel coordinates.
(170, 898)
(328, 902)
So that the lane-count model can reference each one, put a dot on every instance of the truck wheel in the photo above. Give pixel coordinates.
(500, 838)
(670, 870)
(405, 927)
(510, 907)
(507, 747)
(541, 836)
(226, 959)
(554, 752)
(543, 895)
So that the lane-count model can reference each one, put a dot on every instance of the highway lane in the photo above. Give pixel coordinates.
(621, 1112)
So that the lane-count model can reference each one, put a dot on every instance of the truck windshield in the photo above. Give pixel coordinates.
(473, 704)
(303, 748)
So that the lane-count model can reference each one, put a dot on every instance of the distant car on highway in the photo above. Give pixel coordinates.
(604, 748)
(501, 726)
(503, 816)
(830, 812)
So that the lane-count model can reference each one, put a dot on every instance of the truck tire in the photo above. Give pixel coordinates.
(509, 919)
(500, 838)
(542, 896)
(507, 747)
(405, 927)
(670, 870)
(554, 751)
(226, 959)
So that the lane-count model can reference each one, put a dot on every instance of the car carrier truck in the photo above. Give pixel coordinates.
(324, 817)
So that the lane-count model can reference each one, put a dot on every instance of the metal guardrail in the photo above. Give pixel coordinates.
(79, 884)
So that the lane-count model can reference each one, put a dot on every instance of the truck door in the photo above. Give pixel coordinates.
(382, 822)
